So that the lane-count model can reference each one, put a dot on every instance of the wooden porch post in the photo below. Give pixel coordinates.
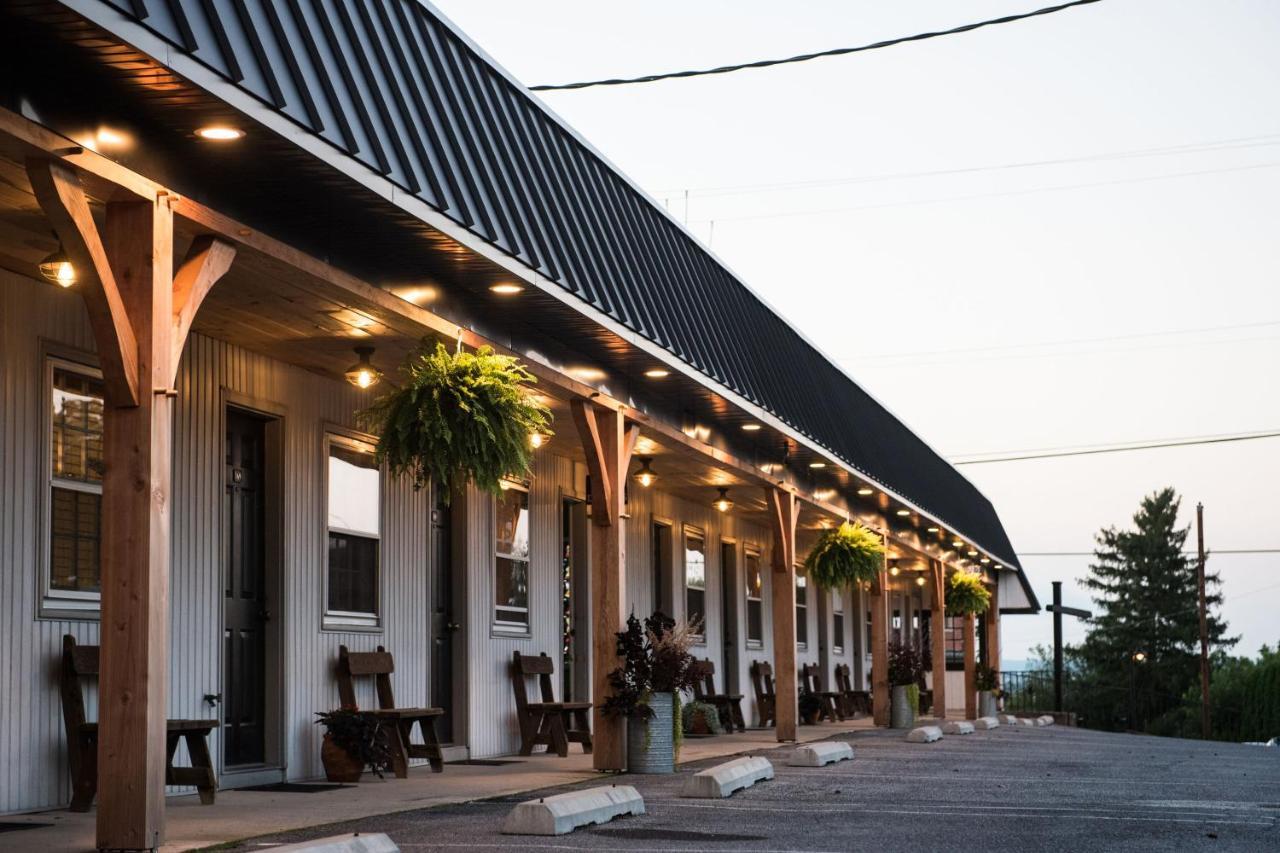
(938, 630)
(993, 631)
(880, 649)
(140, 320)
(608, 445)
(970, 668)
(783, 512)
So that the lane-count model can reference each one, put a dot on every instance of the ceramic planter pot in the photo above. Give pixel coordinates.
(987, 704)
(901, 713)
(339, 765)
(651, 743)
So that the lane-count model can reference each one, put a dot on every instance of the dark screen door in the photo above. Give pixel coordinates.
(443, 625)
(245, 613)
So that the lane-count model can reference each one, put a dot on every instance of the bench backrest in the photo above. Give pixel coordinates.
(762, 679)
(704, 678)
(843, 682)
(378, 665)
(528, 666)
(810, 678)
(78, 662)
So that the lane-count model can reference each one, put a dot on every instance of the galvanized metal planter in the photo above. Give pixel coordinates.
(902, 714)
(987, 704)
(651, 743)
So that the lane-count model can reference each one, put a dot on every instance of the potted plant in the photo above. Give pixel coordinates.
(987, 682)
(966, 594)
(353, 741)
(810, 708)
(905, 672)
(701, 718)
(458, 417)
(656, 666)
(847, 555)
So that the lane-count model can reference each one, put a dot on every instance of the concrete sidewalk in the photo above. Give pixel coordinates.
(247, 814)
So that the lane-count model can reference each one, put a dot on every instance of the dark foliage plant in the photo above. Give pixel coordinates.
(655, 659)
(986, 678)
(905, 665)
(967, 594)
(458, 417)
(844, 556)
(360, 735)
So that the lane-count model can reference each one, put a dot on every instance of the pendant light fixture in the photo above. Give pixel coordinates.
(645, 476)
(723, 503)
(57, 268)
(363, 374)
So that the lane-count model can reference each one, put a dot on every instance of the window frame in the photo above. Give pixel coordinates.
(837, 622)
(750, 554)
(61, 603)
(347, 620)
(694, 533)
(802, 610)
(499, 627)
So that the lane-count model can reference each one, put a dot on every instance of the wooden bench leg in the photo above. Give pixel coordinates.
(399, 755)
(84, 770)
(427, 725)
(559, 737)
(735, 710)
(584, 726)
(198, 748)
(529, 725)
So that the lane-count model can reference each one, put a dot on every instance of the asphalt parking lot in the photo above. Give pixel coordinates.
(1041, 789)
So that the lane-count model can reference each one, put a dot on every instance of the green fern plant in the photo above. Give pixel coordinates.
(845, 555)
(458, 417)
(967, 594)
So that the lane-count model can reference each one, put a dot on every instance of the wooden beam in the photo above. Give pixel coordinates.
(938, 628)
(993, 631)
(880, 593)
(207, 261)
(607, 443)
(57, 188)
(135, 540)
(970, 668)
(783, 515)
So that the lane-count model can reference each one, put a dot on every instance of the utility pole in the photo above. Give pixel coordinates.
(1204, 627)
(1057, 610)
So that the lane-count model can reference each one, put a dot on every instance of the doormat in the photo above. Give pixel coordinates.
(14, 826)
(483, 762)
(294, 787)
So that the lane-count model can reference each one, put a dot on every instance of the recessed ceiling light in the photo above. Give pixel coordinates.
(904, 512)
(985, 560)
(751, 427)
(587, 374)
(958, 543)
(817, 465)
(933, 530)
(506, 289)
(973, 553)
(219, 132)
(657, 373)
(866, 490)
(111, 138)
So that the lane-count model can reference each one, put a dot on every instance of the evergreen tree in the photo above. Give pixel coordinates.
(1142, 651)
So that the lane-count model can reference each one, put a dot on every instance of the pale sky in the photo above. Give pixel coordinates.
(938, 293)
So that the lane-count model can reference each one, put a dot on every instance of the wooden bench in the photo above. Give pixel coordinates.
(548, 722)
(728, 705)
(854, 702)
(762, 684)
(81, 662)
(379, 665)
(829, 701)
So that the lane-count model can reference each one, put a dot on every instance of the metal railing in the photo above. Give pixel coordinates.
(1027, 691)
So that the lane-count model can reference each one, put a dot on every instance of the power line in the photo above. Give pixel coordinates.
(1211, 552)
(805, 57)
(1002, 194)
(823, 183)
(1119, 448)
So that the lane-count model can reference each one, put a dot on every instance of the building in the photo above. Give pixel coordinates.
(182, 477)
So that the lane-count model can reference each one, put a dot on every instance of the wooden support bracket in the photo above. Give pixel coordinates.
(207, 261)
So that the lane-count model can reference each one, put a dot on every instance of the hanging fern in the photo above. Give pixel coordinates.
(847, 555)
(465, 416)
(966, 593)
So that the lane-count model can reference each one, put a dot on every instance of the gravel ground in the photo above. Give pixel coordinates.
(1041, 789)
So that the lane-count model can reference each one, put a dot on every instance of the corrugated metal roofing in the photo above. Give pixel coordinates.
(391, 84)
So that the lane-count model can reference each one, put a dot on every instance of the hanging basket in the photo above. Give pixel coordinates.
(967, 594)
(849, 554)
(458, 417)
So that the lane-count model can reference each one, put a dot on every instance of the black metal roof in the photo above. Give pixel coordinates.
(395, 86)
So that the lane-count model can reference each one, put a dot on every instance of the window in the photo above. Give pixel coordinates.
(355, 532)
(802, 612)
(896, 626)
(837, 622)
(868, 646)
(75, 485)
(662, 551)
(511, 584)
(695, 579)
(955, 642)
(755, 605)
